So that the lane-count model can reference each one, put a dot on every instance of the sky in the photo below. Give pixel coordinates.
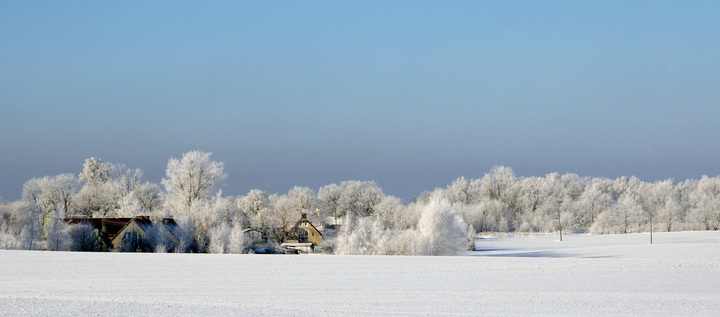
(409, 94)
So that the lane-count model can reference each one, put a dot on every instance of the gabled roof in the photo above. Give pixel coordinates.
(172, 226)
(145, 224)
(303, 219)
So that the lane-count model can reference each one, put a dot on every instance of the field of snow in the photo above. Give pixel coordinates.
(536, 275)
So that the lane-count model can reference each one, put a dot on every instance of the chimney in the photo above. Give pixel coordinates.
(304, 216)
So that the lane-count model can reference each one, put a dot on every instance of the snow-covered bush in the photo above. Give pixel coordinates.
(219, 238)
(237, 242)
(358, 236)
(441, 230)
(160, 238)
(84, 237)
(185, 233)
(58, 235)
(135, 242)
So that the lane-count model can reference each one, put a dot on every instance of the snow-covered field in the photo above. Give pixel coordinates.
(537, 275)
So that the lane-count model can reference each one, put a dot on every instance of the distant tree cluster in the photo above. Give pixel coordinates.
(355, 216)
(502, 202)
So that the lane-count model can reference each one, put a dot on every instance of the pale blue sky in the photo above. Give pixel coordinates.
(409, 94)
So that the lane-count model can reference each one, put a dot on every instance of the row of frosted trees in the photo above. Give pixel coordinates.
(357, 217)
(500, 201)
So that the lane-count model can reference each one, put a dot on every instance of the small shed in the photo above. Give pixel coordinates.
(299, 247)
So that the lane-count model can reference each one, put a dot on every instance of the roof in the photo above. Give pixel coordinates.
(172, 226)
(145, 224)
(303, 219)
(246, 230)
(112, 225)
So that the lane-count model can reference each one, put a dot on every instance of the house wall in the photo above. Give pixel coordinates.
(130, 227)
(313, 235)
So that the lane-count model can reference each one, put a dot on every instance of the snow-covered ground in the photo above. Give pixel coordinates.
(536, 275)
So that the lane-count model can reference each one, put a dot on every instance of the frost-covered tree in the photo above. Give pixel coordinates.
(441, 230)
(501, 185)
(8, 235)
(304, 201)
(162, 243)
(113, 189)
(554, 200)
(190, 179)
(704, 199)
(368, 236)
(590, 204)
(219, 238)
(359, 198)
(360, 238)
(208, 213)
(227, 237)
(63, 188)
(58, 233)
(530, 202)
(98, 200)
(32, 229)
(237, 242)
(52, 194)
(657, 198)
(459, 192)
(255, 206)
(630, 210)
(127, 180)
(46, 200)
(607, 221)
(303, 198)
(330, 196)
(489, 215)
(84, 237)
(149, 197)
(96, 171)
(20, 225)
(185, 234)
(129, 207)
(393, 214)
(98, 196)
(282, 215)
(622, 210)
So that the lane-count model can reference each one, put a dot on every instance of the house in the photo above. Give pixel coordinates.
(135, 234)
(303, 232)
(141, 234)
(107, 228)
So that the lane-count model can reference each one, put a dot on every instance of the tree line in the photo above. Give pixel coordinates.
(356, 216)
